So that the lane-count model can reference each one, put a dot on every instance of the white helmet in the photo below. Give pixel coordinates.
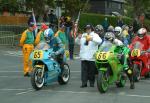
(141, 33)
(118, 31)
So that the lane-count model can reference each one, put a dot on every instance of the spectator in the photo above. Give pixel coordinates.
(136, 25)
(52, 17)
(105, 24)
(120, 22)
(72, 36)
(27, 43)
(125, 34)
(88, 42)
(40, 34)
(61, 34)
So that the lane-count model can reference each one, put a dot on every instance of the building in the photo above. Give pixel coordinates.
(107, 6)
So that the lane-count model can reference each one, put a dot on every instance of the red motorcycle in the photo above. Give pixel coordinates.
(140, 61)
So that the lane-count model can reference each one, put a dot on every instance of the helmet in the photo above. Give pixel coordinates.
(110, 28)
(44, 26)
(109, 36)
(118, 31)
(141, 33)
(99, 28)
(89, 26)
(48, 35)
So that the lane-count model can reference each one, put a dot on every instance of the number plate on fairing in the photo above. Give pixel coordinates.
(38, 54)
(102, 56)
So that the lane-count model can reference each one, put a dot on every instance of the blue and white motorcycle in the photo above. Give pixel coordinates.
(46, 69)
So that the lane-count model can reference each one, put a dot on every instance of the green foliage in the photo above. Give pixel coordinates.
(96, 19)
(72, 7)
(9, 5)
(136, 7)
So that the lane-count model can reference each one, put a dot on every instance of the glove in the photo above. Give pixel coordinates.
(53, 55)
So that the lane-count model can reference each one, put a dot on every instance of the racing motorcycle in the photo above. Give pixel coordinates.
(46, 69)
(110, 69)
(141, 67)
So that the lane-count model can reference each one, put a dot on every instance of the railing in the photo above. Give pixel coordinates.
(10, 34)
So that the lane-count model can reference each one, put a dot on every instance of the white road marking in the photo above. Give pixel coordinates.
(11, 76)
(15, 66)
(141, 96)
(12, 89)
(11, 71)
(24, 92)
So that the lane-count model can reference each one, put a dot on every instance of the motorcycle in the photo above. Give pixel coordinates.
(139, 61)
(46, 69)
(110, 69)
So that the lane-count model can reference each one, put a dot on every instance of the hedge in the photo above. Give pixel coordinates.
(98, 19)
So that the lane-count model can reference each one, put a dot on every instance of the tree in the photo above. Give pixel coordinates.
(9, 5)
(72, 7)
(138, 6)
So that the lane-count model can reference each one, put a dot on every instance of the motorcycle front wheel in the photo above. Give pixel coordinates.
(37, 80)
(102, 82)
(136, 72)
(122, 81)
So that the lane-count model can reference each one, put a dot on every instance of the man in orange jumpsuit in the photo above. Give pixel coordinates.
(40, 35)
(27, 42)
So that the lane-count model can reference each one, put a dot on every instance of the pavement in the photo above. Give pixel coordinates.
(14, 88)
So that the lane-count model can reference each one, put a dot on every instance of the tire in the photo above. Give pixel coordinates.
(102, 82)
(122, 81)
(37, 82)
(136, 72)
(64, 77)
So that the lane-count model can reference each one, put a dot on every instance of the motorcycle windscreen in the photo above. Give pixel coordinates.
(138, 45)
(42, 46)
(106, 46)
(136, 51)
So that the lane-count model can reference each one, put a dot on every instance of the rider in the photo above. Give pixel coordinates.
(56, 44)
(118, 33)
(100, 31)
(109, 36)
(144, 39)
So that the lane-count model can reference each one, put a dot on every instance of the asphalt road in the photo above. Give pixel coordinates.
(14, 88)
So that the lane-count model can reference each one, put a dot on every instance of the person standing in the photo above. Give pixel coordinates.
(62, 36)
(40, 34)
(72, 36)
(27, 42)
(105, 24)
(88, 42)
(120, 22)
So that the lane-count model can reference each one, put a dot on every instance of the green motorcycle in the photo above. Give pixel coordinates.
(110, 68)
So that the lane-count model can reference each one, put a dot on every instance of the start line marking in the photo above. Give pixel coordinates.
(76, 92)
